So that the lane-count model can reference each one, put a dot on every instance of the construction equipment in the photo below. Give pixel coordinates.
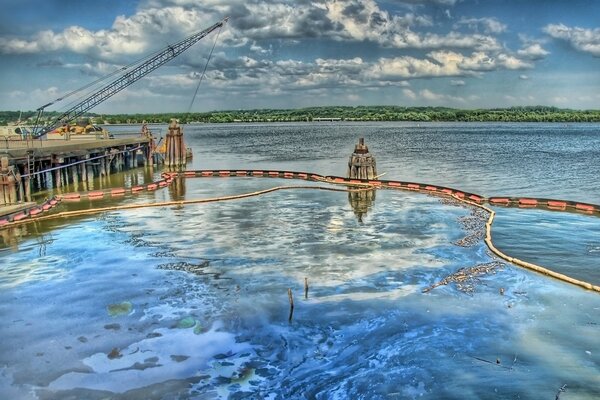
(141, 70)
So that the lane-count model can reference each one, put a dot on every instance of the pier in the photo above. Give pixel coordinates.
(30, 165)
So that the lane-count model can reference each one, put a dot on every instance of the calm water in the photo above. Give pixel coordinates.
(191, 302)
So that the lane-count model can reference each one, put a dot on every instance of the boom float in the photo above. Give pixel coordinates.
(36, 212)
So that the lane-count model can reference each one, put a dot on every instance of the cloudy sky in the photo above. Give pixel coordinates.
(287, 54)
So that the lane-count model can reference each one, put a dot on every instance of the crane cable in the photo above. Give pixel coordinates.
(204, 71)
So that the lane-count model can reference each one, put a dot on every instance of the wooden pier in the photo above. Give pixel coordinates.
(30, 165)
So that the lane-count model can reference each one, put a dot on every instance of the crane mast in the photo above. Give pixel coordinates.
(164, 56)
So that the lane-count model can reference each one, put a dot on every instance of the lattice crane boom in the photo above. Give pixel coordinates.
(161, 58)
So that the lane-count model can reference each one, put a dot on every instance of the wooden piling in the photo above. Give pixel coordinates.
(4, 197)
(57, 178)
(291, 299)
(305, 288)
(27, 185)
(74, 176)
(361, 164)
(175, 146)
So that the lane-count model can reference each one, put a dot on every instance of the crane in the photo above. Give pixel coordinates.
(158, 59)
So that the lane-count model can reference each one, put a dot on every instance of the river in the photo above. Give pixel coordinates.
(192, 302)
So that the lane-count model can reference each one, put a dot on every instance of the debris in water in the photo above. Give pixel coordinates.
(562, 389)
(186, 323)
(474, 225)
(114, 353)
(198, 329)
(197, 269)
(114, 327)
(466, 278)
(119, 308)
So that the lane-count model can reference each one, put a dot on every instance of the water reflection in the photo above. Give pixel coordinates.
(9, 237)
(361, 202)
(177, 189)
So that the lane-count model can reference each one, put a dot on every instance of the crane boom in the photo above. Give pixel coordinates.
(166, 55)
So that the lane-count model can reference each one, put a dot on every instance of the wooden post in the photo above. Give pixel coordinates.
(57, 177)
(12, 186)
(4, 197)
(83, 175)
(75, 177)
(102, 166)
(306, 288)
(19, 184)
(90, 175)
(175, 146)
(291, 299)
(27, 184)
(361, 164)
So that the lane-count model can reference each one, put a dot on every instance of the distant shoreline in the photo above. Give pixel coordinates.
(338, 114)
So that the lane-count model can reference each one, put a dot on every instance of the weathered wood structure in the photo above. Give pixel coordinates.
(31, 165)
(175, 154)
(362, 164)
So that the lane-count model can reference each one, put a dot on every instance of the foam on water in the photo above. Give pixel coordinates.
(172, 355)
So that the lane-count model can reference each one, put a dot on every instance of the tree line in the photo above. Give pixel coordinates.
(340, 113)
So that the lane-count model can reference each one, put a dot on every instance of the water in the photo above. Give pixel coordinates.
(191, 302)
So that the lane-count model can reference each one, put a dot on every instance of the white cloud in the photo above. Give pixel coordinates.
(400, 68)
(585, 40)
(440, 98)
(442, 63)
(486, 25)
(559, 99)
(533, 51)
(167, 21)
(429, 95)
(133, 35)
(279, 76)
(523, 77)
(409, 93)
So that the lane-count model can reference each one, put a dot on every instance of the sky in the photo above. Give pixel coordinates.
(290, 54)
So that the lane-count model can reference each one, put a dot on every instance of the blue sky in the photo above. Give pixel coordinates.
(287, 54)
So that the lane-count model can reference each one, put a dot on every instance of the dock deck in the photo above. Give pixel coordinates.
(19, 149)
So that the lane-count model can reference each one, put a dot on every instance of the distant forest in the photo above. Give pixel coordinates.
(359, 113)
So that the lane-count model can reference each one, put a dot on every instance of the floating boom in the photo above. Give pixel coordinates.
(166, 55)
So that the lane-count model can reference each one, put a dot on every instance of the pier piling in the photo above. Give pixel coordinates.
(175, 148)
(361, 164)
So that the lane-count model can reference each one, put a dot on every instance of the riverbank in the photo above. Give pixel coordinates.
(346, 113)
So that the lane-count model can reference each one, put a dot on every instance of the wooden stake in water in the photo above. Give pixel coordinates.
(306, 288)
(291, 298)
